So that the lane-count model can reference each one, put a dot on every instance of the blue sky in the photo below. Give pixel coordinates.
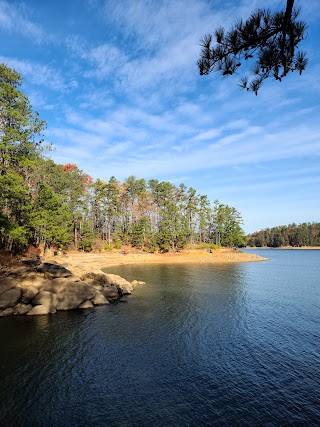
(117, 83)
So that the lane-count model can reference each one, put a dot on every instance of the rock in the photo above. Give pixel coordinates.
(46, 298)
(41, 309)
(19, 272)
(99, 299)
(6, 312)
(110, 292)
(32, 262)
(3, 288)
(22, 308)
(10, 298)
(136, 283)
(32, 280)
(53, 270)
(8, 282)
(121, 283)
(28, 293)
(70, 294)
(86, 304)
(95, 279)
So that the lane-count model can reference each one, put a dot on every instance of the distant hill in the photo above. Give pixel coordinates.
(306, 234)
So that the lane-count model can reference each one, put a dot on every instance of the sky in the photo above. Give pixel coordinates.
(118, 84)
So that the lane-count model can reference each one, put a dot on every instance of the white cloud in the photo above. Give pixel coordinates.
(40, 75)
(12, 18)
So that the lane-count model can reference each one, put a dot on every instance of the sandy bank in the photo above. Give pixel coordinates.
(79, 262)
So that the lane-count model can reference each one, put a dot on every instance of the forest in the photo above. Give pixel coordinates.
(60, 206)
(306, 234)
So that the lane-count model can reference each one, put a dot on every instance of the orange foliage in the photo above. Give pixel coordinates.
(69, 167)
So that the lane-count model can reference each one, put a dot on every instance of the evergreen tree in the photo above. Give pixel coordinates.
(20, 147)
(266, 40)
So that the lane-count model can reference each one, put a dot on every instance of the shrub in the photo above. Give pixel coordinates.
(117, 244)
(207, 245)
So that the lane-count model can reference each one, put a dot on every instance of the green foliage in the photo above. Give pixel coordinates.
(117, 244)
(208, 246)
(19, 235)
(225, 226)
(306, 234)
(87, 237)
(267, 41)
(44, 203)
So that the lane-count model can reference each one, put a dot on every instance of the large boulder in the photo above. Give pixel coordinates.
(46, 298)
(28, 293)
(71, 292)
(10, 298)
(41, 309)
(53, 270)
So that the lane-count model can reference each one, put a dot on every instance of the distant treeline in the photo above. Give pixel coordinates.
(306, 234)
(43, 203)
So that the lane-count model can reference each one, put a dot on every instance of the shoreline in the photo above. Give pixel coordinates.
(75, 280)
(294, 248)
(78, 262)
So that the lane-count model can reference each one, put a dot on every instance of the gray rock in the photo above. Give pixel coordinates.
(10, 298)
(41, 309)
(54, 270)
(99, 299)
(22, 308)
(70, 293)
(28, 293)
(46, 298)
(86, 304)
(6, 312)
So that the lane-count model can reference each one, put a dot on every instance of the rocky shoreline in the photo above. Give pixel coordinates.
(50, 287)
(75, 280)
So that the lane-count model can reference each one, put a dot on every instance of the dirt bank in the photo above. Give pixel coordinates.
(79, 262)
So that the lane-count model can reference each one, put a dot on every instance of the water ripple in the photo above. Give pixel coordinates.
(228, 345)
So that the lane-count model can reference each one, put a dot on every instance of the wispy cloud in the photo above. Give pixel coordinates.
(119, 87)
(13, 18)
(40, 75)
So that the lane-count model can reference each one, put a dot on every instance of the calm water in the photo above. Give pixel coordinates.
(224, 345)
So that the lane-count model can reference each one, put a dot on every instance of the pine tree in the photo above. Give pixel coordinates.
(266, 41)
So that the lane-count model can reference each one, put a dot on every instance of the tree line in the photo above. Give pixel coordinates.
(44, 203)
(306, 234)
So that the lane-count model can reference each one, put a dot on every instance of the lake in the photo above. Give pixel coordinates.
(198, 345)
